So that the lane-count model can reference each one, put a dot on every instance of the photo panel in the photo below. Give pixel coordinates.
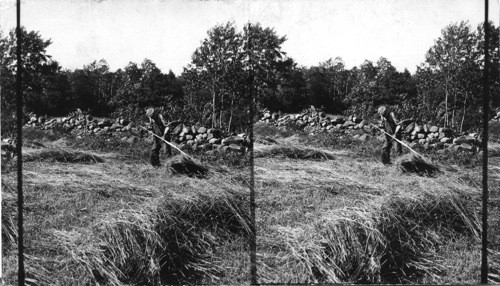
(368, 150)
(136, 143)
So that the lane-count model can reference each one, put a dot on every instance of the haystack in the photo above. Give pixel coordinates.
(411, 163)
(181, 164)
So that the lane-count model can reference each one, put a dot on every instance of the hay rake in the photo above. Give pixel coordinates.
(169, 143)
(399, 141)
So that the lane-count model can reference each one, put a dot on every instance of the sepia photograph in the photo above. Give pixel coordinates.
(230, 142)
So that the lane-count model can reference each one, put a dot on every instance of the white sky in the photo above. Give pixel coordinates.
(167, 32)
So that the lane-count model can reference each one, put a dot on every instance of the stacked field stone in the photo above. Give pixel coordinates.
(192, 137)
(415, 133)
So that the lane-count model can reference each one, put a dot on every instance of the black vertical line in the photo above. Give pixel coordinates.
(19, 103)
(486, 105)
(253, 238)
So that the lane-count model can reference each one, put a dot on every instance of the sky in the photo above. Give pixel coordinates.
(168, 32)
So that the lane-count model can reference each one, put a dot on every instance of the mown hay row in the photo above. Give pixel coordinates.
(392, 241)
(62, 155)
(169, 241)
(9, 219)
(494, 267)
(293, 152)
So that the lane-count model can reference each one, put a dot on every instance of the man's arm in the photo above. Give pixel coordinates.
(381, 121)
(164, 124)
(398, 124)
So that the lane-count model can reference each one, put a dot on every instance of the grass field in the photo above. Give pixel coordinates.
(96, 212)
(345, 217)
(93, 215)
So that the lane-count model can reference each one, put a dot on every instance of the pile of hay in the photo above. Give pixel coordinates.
(184, 165)
(411, 163)
(293, 152)
(391, 241)
(61, 155)
(166, 242)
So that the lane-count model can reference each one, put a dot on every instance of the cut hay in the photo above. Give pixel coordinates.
(266, 141)
(34, 144)
(393, 240)
(293, 152)
(61, 155)
(166, 242)
(494, 265)
(493, 149)
(9, 217)
(411, 163)
(184, 165)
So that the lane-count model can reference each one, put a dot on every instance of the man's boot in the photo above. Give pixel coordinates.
(155, 158)
(386, 156)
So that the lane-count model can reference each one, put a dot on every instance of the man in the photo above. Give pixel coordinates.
(159, 126)
(391, 126)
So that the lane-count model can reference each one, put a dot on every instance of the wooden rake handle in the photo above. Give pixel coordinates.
(172, 145)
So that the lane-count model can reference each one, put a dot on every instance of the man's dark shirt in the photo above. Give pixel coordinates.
(389, 124)
(157, 125)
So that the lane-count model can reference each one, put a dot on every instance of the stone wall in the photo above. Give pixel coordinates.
(187, 137)
(414, 133)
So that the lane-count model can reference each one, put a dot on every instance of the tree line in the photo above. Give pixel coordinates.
(234, 71)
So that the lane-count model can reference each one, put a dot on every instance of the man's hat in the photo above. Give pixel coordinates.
(150, 112)
(381, 110)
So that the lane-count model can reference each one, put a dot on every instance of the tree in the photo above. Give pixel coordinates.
(381, 84)
(216, 63)
(455, 50)
(494, 64)
(328, 85)
(262, 61)
(291, 93)
(144, 86)
(234, 67)
(45, 88)
(450, 78)
(91, 88)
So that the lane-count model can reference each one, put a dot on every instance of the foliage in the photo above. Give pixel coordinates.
(380, 84)
(145, 85)
(233, 70)
(89, 87)
(328, 85)
(230, 69)
(45, 89)
(450, 80)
